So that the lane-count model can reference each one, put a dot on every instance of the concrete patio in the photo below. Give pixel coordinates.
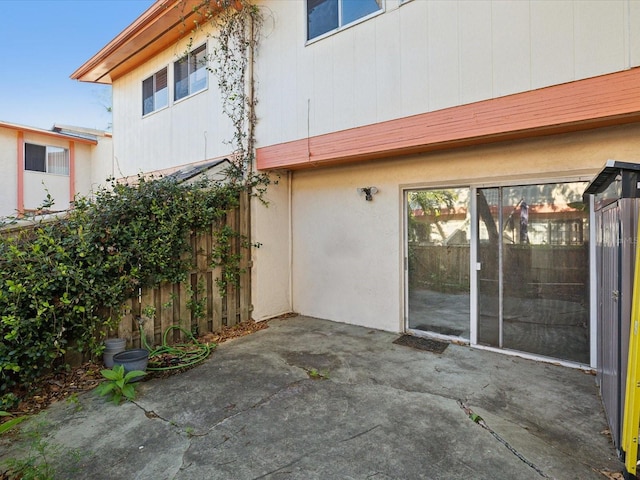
(375, 410)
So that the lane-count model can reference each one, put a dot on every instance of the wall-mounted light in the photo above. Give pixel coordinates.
(369, 192)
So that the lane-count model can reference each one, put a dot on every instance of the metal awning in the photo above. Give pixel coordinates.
(626, 174)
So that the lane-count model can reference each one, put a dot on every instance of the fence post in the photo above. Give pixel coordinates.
(245, 262)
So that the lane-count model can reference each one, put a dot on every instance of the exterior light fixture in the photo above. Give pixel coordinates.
(369, 192)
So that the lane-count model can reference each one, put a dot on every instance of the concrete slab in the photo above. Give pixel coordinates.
(382, 411)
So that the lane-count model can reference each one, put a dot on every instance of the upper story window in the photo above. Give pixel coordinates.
(190, 73)
(155, 92)
(47, 159)
(324, 16)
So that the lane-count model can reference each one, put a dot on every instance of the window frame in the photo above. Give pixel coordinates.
(191, 62)
(341, 26)
(155, 92)
(48, 149)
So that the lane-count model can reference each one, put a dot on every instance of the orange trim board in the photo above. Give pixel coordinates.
(160, 26)
(606, 100)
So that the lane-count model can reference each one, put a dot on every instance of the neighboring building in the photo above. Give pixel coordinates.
(498, 111)
(60, 162)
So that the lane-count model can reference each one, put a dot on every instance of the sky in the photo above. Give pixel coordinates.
(42, 42)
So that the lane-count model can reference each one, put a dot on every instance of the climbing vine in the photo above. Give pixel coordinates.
(64, 282)
(236, 26)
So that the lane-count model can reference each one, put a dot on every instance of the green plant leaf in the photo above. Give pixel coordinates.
(105, 388)
(129, 391)
(9, 424)
(111, 374)
(134, 374)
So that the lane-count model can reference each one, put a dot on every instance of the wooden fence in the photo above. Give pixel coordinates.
(196, 305)
(552, 271)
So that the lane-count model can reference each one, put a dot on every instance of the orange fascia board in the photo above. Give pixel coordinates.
(48, 133)
(601, 101)
(159, 27)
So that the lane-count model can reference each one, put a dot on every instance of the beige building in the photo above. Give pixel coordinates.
(479, 123)
(59, 163)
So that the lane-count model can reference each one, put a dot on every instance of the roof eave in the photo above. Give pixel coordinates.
(161, 25)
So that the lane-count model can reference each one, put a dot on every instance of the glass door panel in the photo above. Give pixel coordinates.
(438, 236)
(489, 299)
(533, 282)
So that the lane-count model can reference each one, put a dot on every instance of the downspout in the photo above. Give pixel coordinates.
(290, 222)
(252, 111)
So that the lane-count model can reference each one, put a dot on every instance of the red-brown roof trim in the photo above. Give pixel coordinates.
(39, 131)
(606, 100)
(163, 24)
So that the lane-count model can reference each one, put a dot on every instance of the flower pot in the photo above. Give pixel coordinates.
(112, 346)
(131, 360)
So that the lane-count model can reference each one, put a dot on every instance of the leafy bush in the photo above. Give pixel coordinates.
(64, 282)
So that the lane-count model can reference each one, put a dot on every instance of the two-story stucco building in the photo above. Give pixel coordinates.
(479, 123)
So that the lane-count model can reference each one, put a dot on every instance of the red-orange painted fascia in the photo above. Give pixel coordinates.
(162, 25)
(602, 101)
(47, 133)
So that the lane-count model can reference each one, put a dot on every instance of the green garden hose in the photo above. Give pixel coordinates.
(177, 356)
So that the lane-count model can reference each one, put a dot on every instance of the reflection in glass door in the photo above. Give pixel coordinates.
(438, 236)
(533, 280)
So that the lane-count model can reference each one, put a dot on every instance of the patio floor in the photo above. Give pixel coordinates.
(369, 409)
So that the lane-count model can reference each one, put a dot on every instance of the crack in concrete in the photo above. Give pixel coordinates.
(480, 421)
(151, 414)
(361, 433)
(312, 452)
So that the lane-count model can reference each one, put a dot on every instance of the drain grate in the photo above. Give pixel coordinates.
(421, 343)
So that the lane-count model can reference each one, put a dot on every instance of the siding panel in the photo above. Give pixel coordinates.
(476, 58)
(511, 48)
(599, 37)
(414, 69)
(444, 68)
(552, 52)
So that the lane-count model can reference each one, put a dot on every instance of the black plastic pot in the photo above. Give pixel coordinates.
(131, 360)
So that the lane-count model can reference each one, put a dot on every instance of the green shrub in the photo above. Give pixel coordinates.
(64, 282)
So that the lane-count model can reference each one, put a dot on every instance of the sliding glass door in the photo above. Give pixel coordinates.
(533, 269)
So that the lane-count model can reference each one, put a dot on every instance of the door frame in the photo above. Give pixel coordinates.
(474, 267)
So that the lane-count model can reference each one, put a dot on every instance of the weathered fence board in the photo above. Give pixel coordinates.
(196, 305)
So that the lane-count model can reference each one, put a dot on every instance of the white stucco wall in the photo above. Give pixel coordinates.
(8, 162)
(348, 253)
(271, 273)
(38, 185)
(427, 55)
(102, 164)
(84, 167)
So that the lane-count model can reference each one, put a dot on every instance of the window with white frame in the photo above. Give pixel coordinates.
(324, 16)
(46, 159)
(155, 92)
(190, 73)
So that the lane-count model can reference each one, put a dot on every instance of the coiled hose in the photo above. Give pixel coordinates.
(173, 357)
